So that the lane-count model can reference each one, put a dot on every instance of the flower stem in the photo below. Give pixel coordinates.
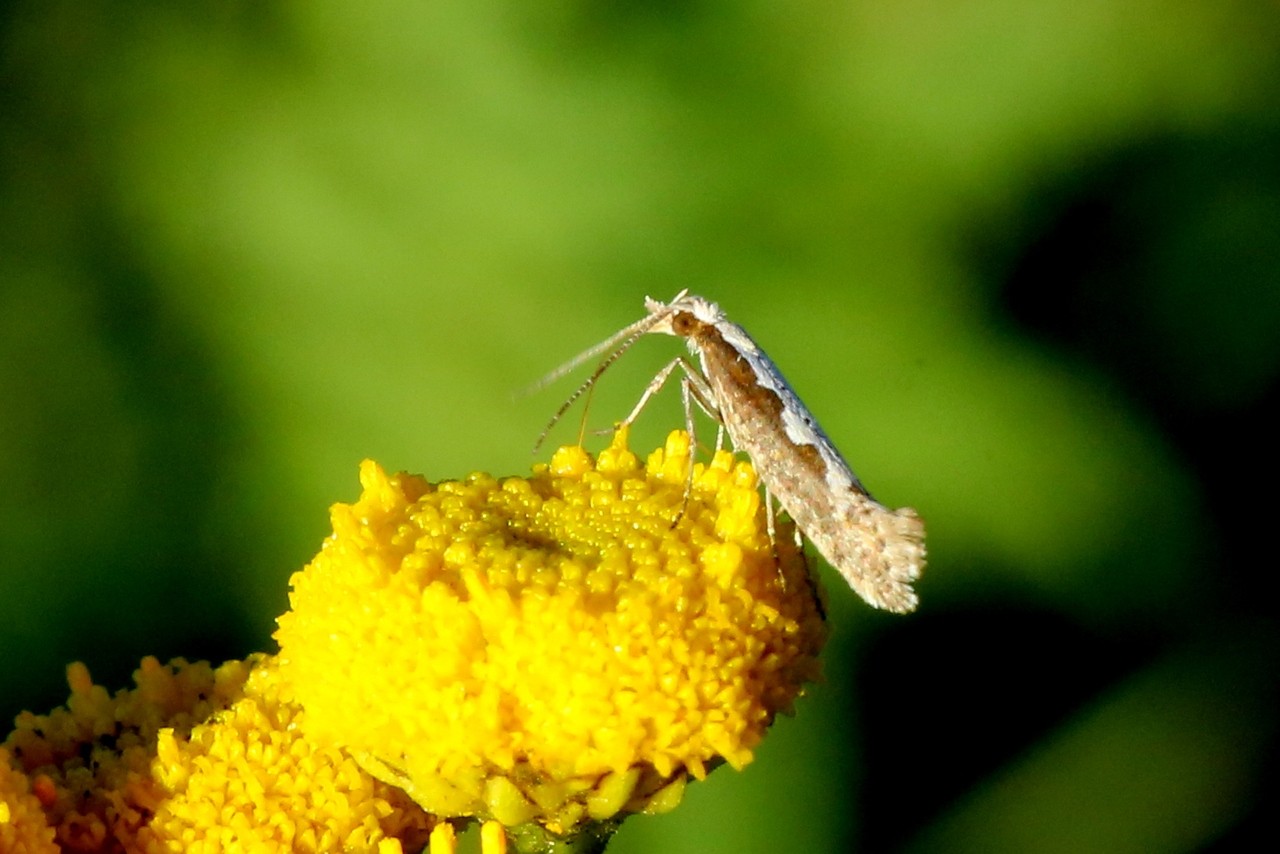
(533, 838)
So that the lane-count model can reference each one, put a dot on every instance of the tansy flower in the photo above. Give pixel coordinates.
(89, 761)
(552, 652)
(194, 759)
(23, 826)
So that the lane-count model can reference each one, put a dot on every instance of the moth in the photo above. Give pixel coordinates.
(879, 551)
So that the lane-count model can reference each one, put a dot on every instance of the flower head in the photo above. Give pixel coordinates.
(198, 759)
(561, 648)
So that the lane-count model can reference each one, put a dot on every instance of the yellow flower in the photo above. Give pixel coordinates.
(89, 761)
(23, 826)
(248, 780)
(197, 759)
(560, 649)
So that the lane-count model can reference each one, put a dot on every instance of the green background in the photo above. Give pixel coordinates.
(1021, 259)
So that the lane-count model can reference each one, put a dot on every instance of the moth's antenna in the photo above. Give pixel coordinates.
(620, 342)
(571, 365)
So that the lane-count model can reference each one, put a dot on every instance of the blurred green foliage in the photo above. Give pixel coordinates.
(1022, 260)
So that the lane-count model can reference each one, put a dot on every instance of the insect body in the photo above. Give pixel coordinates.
(879, 551)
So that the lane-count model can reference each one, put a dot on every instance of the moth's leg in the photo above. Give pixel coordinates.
(701, 393)
(699, 388)
(686, 398)
(694, 388)
(655, 384)
(769, 520)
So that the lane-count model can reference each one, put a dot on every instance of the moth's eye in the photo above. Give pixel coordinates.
(684, 324)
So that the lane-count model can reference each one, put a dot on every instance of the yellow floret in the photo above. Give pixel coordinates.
(250, 774)
(562, 648)
(200, 759)
(90, 760)
(23, 826)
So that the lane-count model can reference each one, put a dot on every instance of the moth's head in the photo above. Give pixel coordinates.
(666, 315)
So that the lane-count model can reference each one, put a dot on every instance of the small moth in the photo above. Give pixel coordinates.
(879, 551)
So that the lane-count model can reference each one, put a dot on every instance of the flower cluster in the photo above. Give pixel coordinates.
(545, 654)
(196, 759)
